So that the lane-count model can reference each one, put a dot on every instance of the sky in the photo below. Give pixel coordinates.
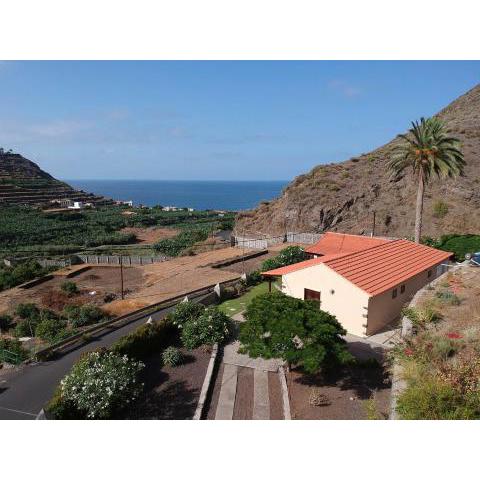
(196, 120)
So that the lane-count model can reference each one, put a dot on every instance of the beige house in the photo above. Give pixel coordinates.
(367, 288)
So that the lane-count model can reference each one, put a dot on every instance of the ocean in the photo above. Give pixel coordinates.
(201, 195)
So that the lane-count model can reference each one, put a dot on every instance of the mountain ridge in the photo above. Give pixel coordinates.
(343, 196)
(23, 182)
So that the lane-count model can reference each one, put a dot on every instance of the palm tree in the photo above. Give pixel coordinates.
(429, 152)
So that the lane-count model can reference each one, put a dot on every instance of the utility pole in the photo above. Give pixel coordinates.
(121, 275)
(243, 251)
(373, 226)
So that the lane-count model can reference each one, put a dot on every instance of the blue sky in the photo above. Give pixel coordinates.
(214, 120)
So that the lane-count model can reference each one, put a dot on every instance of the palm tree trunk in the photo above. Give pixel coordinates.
(419, 207)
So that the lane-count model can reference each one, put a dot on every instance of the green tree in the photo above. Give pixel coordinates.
(429, 152)
(278, 326)
(287, 256)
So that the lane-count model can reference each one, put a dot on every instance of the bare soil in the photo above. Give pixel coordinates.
(253, 264)
(101, 280)
(172, 393)
(346, 390)
(175, 277)
(143, 285)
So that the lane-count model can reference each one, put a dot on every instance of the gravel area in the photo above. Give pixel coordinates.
(345, 390)
(172, 393)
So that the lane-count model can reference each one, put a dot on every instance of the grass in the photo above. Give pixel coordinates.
(237, 305)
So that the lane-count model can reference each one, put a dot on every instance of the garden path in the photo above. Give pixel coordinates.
(233, 360)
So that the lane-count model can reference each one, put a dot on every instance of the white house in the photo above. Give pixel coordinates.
(366, 288)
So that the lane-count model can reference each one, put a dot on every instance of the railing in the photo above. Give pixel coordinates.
(126, 260)
(10, 357)
(265, 242)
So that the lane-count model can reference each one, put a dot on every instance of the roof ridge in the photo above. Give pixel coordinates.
(358, 252)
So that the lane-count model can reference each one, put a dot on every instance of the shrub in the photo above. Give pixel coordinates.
(6, 322)
(213, 326)
(30, 314)
(14, 346)
(186, 311)
(422, 317)
(278, 326)
(80, 316)
(174, 246)
(371, 410)
(433, 399)
(25, 328)
(146, 339)
(287, 256)
(460, 245)
(102, 383)
(254, 278)
(21, 273)
(51, 329)
(70, 288)
(317, 398)
(59, 408)
(109, 297)
(172, 356)
(448, 297)
(440, 209)
(28, 311)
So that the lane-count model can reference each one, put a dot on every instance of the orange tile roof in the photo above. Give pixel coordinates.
(378, 268)
(382, 267)
(298, 266)
(332, 242)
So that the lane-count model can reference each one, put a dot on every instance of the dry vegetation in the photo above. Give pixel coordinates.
(441, 361)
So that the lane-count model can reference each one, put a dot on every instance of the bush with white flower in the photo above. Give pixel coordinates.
(102, 383)
(213, 326)
(185, 312)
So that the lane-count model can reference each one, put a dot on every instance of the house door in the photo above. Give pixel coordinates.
(311, 295)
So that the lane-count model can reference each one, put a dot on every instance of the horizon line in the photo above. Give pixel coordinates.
(167, 180)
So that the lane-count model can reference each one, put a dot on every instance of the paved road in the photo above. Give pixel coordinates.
(24, 392)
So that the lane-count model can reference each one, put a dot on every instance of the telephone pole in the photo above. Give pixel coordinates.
(121, 276)
(373, 225)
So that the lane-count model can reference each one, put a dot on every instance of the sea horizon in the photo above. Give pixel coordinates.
(199, 194)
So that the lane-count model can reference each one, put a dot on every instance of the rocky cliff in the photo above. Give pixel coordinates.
(343, 196)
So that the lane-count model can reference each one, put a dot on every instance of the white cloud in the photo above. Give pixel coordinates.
(345, 88)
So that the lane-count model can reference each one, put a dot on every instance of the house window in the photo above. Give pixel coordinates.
(429, 274)
(311, 295)
(402, 289)
(394, 293)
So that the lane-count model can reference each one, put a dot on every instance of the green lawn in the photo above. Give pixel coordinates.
(237, 305)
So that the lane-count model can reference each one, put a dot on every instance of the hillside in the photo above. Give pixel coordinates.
(23, 182)
(342, 196)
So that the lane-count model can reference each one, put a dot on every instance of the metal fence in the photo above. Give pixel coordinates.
(45, 262)
(126, 260)
(265, 242)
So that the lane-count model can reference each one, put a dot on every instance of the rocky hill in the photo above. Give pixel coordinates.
(342, 196)
(23, 182)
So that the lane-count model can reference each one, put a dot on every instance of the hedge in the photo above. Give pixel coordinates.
(146, 339)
